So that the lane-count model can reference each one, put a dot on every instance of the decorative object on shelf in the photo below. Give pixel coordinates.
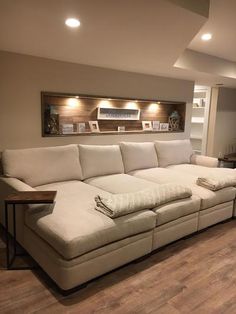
(53, 124)
(67, 128)
(81, 127)
(147, 125)
(164, 126)
(121, 128)
(155, 125)
(174, 121)
(118, 114)
(94, 126)
(199, 102)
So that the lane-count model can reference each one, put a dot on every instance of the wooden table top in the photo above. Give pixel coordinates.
(31, 197)
(227, 159)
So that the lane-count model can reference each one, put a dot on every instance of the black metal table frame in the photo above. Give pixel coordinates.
(10, 260)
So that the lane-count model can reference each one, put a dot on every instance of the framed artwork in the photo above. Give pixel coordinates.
(164, 126)
(94, 126)
(118, 114)
(147, 125)
(156, 125)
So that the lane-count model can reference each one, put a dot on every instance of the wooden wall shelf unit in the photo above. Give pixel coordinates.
(64, 114)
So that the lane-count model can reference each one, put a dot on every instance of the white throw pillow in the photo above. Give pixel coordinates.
(39, 166)
(173, 152)
(138, 155)
(100, 160)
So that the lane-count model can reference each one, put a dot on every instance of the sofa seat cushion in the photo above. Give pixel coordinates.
(167, 175)
(164, 175)
(138, 155)
(100, 160)
(177, 209)
(120, 183)
(201, 171)
(124, 183)
(38, 166)
(73, 227)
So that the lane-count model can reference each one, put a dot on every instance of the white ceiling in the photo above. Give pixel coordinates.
(222, 24)
(125, 35)
(131, 35)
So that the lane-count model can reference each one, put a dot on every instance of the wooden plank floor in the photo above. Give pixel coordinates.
(195, 275)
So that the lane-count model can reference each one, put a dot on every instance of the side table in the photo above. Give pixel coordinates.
(24, 197)
(231, 158)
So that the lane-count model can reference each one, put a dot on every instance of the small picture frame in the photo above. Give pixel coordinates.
(164, 126)
(81, 128)
(94, 127)
(156, 125)
(147, 125)
(67, 128)
(121, 128)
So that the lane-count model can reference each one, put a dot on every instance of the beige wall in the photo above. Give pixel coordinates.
(24, 77)
(225, 125)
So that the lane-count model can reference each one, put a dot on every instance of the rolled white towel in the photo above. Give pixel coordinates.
(117, 205)
(215, 183)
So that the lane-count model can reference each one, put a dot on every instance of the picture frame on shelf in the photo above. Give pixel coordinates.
(156, 125)
(81, 128)
(164, 126)
(121, 128)
(147, 125)
(94, 127)
(67, 128)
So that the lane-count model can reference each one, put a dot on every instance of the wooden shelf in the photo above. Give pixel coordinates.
(197, 120)
(112, 133)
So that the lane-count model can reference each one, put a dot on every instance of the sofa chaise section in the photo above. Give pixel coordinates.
(80, 237)
(174, 220)
(72, 227)
(215, 206)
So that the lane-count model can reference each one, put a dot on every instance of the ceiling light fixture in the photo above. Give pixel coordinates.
(71, 22)
(206, 36)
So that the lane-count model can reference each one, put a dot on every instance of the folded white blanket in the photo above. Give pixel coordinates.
(117, 205)
(216, 183)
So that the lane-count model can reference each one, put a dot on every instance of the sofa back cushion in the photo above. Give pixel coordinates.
(173, 152)
(39, 166)
(138, 155)
(100, 160)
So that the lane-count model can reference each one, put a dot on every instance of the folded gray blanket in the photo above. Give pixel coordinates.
(215, 183)
(117, 205)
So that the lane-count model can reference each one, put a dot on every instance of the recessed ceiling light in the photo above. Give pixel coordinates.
(72, 22)
(206, 36)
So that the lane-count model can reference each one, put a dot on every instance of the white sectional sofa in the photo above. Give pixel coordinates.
(71, 240)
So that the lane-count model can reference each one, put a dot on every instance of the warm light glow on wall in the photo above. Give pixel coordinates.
(105, 104)
(131, 105)
(154, 107)
(72, 102)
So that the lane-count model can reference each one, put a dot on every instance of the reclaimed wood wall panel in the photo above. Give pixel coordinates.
(85, 109)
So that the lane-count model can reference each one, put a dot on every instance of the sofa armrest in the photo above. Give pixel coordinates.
(8, 186)
(11, 185)
(204, 161)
